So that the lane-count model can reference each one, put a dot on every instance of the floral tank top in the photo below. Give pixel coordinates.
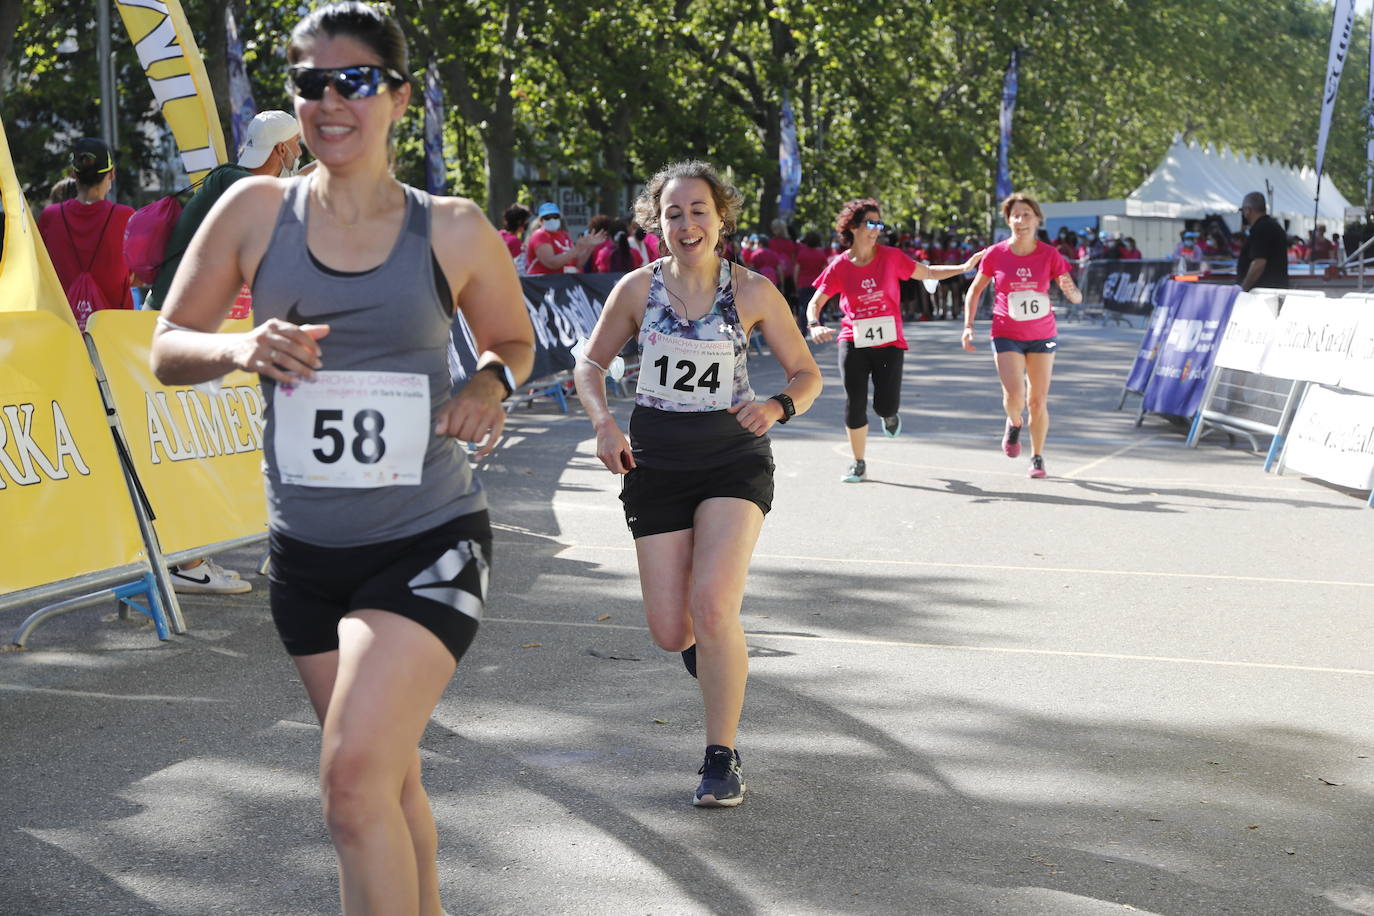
(691, 366)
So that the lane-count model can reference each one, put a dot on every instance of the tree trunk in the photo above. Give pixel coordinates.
(499, 140)
(9, 25)
(617, 142)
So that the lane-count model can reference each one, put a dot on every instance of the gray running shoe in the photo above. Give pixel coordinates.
(856, 472)
(722, 779)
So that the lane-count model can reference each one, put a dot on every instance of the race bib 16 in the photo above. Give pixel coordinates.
(1028, 305)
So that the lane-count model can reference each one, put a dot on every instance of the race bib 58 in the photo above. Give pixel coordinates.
(352, 429)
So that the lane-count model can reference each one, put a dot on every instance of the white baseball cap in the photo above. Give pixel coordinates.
(267, 129)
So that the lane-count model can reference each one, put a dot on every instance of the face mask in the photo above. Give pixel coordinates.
(287, 171)
(553, 225)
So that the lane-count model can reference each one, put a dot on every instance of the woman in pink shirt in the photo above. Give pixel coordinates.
(1023, 325)
(868, 279)
(550, 250)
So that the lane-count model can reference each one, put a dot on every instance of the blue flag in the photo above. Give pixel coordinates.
(241, 104)
(1004, 187)
(436, 177)
(789, 161)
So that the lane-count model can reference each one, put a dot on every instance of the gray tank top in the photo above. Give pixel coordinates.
(385, 320)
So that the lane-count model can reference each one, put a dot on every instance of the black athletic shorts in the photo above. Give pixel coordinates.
(658, 500)
(1011, 345)
(437, 578)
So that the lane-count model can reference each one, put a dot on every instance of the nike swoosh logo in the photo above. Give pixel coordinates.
(294, 315)
(204, 581)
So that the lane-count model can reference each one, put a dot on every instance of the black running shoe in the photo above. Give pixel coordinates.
(856, 472)
(892, 426)
(689, 659)
(722, 780)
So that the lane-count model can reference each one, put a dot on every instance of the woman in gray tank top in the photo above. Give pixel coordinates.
(379, 533)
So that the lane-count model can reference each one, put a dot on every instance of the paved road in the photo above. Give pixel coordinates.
(1141, 684)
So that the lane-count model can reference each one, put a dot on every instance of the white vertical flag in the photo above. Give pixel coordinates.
(1342, 24)
(1369, 128)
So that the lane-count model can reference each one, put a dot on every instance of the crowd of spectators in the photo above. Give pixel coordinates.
(789, 257)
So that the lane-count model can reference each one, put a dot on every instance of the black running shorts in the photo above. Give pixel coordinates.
(1012, 345)
(658, 500)
(437, 578)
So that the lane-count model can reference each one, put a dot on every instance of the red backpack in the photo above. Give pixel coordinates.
(83, 292)
(145, 237)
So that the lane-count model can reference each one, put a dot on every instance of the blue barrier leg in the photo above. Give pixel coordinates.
(1275, 447)
(1193, 431)
(148, 589)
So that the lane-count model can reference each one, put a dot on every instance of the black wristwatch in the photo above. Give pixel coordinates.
(502, 372)
(814, 324)
(788, 409)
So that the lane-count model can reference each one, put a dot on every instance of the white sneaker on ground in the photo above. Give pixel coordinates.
(227, 573)
(207, 579)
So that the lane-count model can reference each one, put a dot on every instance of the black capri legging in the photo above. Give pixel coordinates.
(857, 364)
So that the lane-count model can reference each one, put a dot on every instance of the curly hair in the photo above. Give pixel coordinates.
(727, 198)
(847, 220)
(1021, 197)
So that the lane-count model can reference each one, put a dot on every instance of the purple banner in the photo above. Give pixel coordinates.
(241, 104)
(1165, 299)
(1198, 314)
(436, 178)
(1009, 84)
(789, 161)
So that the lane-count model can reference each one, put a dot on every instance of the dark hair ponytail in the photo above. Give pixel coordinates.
(622, 260)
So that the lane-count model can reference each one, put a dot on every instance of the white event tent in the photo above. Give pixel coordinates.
(1195, 181)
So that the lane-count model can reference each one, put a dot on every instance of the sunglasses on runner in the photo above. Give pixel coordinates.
(359, 82)
(875, 224)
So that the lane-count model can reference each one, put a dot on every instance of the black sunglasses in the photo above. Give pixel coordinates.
(359, 82)
(875, 224)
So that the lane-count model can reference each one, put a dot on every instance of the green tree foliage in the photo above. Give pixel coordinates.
(897, 101)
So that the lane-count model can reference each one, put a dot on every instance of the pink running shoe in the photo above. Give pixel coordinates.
(1011, 441)
(1037, 468)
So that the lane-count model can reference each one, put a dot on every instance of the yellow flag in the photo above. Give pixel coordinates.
(172, 62)
(28, 281)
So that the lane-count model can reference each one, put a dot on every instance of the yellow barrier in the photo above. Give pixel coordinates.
(198, 457)
(28, 281)
(66, 505)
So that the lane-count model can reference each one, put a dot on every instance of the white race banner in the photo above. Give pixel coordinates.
(1248, 332)
(1342, 24)
(1357, 373)
(1332, 438)
(1311, 338)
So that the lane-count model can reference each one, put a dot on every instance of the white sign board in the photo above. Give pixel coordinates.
(1332, 438)
(1311, 339)
(1357, 373)
(1248, 332)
